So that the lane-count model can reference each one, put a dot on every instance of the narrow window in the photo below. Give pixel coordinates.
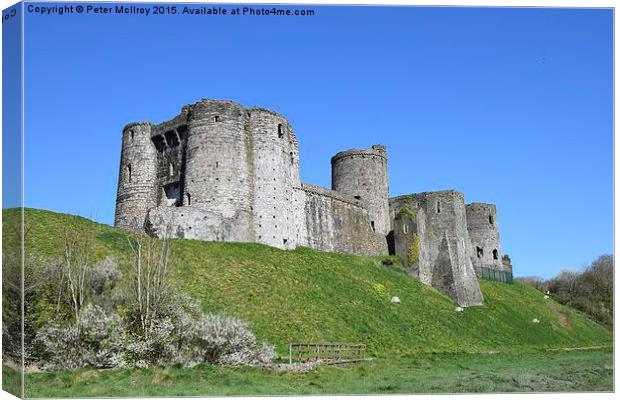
(172, 139)
(131, 135)
(189, 199)
(479, 252)
(438, 206)
(495, 254)
(292, 159)
(216, 118)
(284, 240)
(171, 169)
(372, 225)
(181, 131)
(172, 195)
(280, 131)
(128, 173)
(491, 219)
(217, 164)
(159, 143)
(405, 229)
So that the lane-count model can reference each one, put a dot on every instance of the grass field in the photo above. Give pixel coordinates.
(311, 296)
(423, 373)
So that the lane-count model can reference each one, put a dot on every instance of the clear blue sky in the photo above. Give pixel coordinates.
(509, 106)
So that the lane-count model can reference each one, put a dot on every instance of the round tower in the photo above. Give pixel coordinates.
(363, 175)
(277, 208)
(218, 168)
(484, 234)
(137, 178)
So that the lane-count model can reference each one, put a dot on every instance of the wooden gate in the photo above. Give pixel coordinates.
(329, 353)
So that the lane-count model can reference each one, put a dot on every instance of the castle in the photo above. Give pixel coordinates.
(221, 172)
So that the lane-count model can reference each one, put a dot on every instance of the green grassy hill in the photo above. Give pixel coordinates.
(307, 295)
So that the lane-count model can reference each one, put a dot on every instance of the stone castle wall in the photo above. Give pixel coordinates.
(338, 223)
(484, 233)
(441, 226)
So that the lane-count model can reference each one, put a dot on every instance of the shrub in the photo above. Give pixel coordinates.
(104, 276)
(379, 289)
(155, 348)
(102, 336)
(168, 333)
(220, 339)
(96, 340)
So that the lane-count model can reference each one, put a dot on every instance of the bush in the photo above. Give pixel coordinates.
(379, 289)
(104, 276)
(141, 320)
(96, 340)
(103, 338)
(169, 333)
(220, 339)
(156, 348)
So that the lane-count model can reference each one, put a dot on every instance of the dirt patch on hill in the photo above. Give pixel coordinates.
(565, 321)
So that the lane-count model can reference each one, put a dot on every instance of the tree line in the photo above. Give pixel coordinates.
(590, 291)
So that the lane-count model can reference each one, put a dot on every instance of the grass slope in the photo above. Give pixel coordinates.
(307, 295)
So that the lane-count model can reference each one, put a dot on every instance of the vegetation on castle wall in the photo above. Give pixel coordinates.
(413, 253)
(405, 211)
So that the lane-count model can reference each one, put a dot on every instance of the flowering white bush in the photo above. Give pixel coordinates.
(164, 328)
(104, 275)
(103, 337)
(96, 340)
(223, 339)
(59, 346)
(157, 348)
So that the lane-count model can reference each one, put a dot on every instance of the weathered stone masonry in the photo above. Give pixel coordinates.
(221, 172)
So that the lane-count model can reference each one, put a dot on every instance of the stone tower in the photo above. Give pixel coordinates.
(444, 261)
(217, 171)
(484, 235)
(277, 205)
(362, 174)
(137, 189)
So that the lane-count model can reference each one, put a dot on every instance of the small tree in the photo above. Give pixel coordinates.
(149, 277)
(75, 261)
